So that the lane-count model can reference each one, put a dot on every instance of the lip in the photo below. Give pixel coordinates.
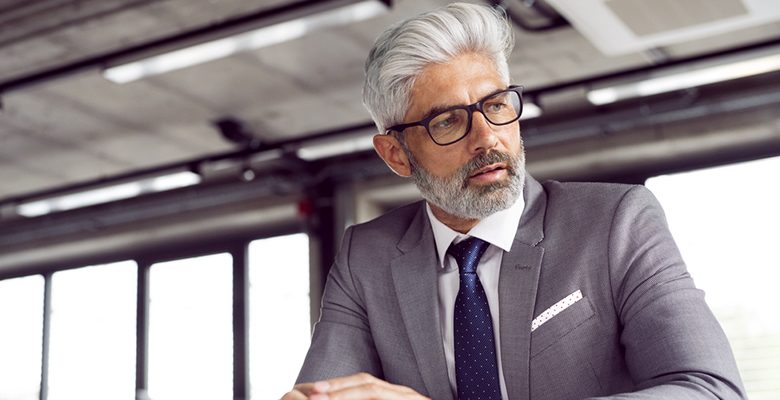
(488, 168)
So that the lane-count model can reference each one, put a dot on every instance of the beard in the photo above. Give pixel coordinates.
(457, 197)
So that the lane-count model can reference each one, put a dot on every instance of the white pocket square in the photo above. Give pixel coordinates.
(555, 309)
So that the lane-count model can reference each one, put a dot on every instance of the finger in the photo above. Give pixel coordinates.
(294, 395)
(376, 390)
(340, 383)
(304, 388)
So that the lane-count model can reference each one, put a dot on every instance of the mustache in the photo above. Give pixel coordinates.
(482, 160)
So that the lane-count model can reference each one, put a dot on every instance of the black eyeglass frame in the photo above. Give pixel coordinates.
(470, 111)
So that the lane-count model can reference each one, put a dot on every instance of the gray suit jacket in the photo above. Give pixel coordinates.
(642, 326)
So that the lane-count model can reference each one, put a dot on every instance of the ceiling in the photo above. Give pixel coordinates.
(62, 123)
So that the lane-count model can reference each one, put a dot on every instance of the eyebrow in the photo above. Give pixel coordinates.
(439, 109)
(442, 108)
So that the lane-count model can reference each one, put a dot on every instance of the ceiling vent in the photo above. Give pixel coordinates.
(625, 26)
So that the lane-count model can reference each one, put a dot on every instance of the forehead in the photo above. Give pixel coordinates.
(463, 80)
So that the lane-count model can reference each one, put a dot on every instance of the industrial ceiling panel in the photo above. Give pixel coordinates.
(139, 106)
(563, 55)
(11, 184)
(725, 41)
(35, 54)
(200, 137)
(649, 18)
(625, 26)
(48, 114)
(318, 63)
(184, 13)
(63, 161)
(229, 84)
(142, 149)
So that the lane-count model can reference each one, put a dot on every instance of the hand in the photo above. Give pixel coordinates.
(360, 386)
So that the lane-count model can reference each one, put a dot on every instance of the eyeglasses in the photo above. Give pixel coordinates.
(453, 124)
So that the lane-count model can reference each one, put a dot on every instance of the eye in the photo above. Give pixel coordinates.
(494, 106)
(445, 121)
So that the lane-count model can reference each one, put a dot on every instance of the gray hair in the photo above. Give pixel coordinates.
(404, 49)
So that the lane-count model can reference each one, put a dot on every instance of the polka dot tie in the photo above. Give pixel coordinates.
(476, 369)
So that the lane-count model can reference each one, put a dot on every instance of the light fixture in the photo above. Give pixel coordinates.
(316, 150)
(530, 111)
(685, 79)
(344, 13)
(107, 194)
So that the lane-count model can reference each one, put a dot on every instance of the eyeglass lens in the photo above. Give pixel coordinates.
(499, 109)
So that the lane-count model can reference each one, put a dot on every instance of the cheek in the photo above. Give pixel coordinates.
(433, 163)
(442, 164)
(512, 141)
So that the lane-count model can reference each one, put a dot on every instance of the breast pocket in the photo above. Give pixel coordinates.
(560, 325)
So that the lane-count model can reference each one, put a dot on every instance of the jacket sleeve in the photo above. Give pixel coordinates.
(342, 343)
(674, 346)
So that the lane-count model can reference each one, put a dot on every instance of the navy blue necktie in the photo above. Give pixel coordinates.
(476, 369)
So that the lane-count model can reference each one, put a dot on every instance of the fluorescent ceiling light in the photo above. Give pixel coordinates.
(530, 110)
(107, 194)
(251, 40)
(316, 151)
(685, 80)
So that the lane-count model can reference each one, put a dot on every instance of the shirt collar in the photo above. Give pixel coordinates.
(498, 229)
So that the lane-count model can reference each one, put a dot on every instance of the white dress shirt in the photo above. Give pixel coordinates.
(499, 230)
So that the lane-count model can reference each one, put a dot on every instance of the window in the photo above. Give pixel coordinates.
(279, 317)
(190, 329)
(92, 353)
(726, 221)
(21, 337)
(189, 355)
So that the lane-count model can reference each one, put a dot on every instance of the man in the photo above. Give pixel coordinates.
(497, 286)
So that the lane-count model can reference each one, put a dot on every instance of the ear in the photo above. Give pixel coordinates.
(390, 150)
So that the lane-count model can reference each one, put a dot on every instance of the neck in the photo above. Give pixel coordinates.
(457, 224)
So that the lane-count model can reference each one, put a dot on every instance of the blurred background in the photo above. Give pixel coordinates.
(175, 175)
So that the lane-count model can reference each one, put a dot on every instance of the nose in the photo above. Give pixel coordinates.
(483, 135)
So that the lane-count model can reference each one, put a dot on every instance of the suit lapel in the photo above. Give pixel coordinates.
(517, 289)
(416, 287)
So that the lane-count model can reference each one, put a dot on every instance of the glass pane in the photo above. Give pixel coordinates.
(191, 329)
(279, 297)
(92, 353)
(726, 221)
(21, 335)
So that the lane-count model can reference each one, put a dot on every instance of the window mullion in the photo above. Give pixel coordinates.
(240, 323)
(47, 281)
(142, 332)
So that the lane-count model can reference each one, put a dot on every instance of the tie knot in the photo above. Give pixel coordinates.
(467, 253)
